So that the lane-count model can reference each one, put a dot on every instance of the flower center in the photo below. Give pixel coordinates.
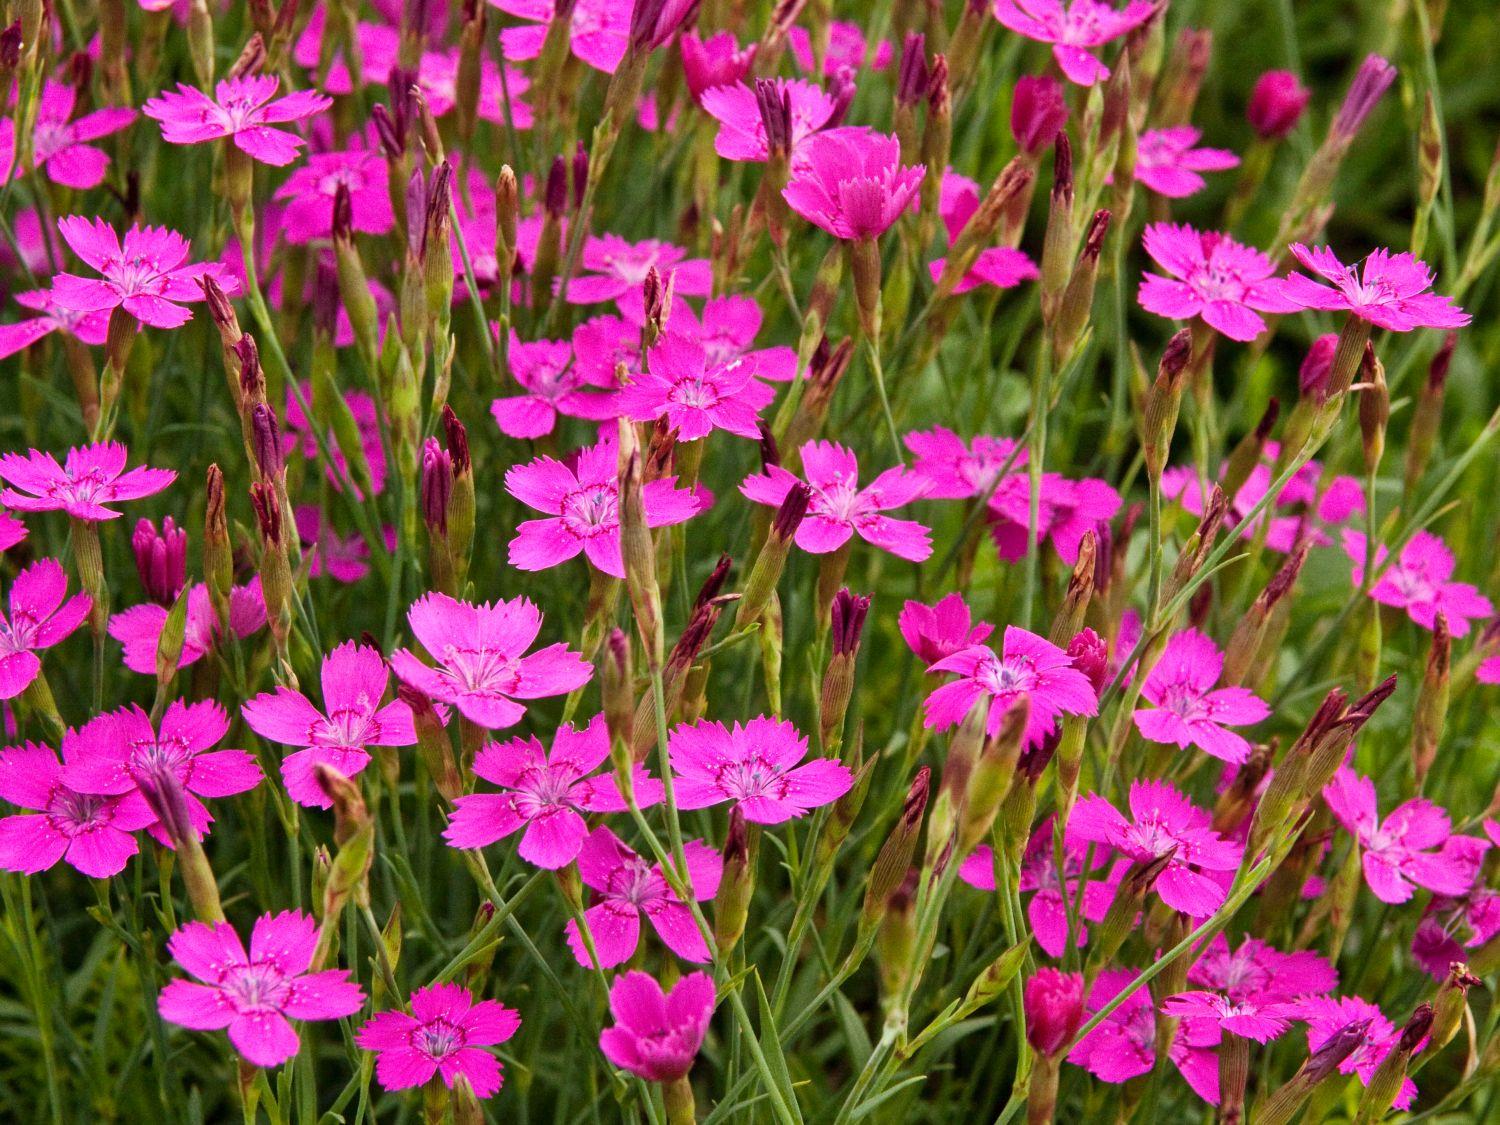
(591, 511)
(260, 987)
(437, 1038)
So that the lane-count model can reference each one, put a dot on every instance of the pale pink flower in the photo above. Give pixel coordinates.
(1187, 710)
(754, 766)
(1066, 511)
(61, 143)
(626, 886)
(615, 269)
(1000, 266)
(657, 1035)
(139, 628)
(851, 182)
(354, 681)
(1074, 30)
(145, 276)
(39, 618)
(847, 49)
(255, 995)
(241, 108)
(1028, 667)
(442, 1036)
(1260, 1020)
(555, 384)
(547, 794)
(956, 470)
(1391, 291)
(742, 130)
(308, 195)
(1168, 164)
(694, 396)
(1417, 582)
(718, 60)
(933, 632)
(91, 328)
(1212, 276)
(1327, 1016)
(91, 477)
(599, 30)
(583, 503)
(840, 508)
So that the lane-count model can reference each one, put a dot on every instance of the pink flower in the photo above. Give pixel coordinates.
(846, 49)
(254, 995)
(727, 329)
(1255, 971)
(1000, 266)
(241, 108)
(1452, 926)
(1259, 1020)
(1038, 112)
(308, 194)
(442, 1036)
(39, 618)
(1391, 291)
(90, 327)
(657, 1035)
(598, 30)
(626, 886)
(12, 531)
(1417, 582)
(1212, 276)
(1276, 104)
(1412, 847)
(583, 504)
(1488, 671)
(755, 766)
(547, 795)
(1066, 511)
(1327, 1016)
(1028, 667)
(146, 277)
(555, 384)
(851, 182)
(616, 269)
(343, 558)
(1166, 825)
(956, 470)
(354, 679)
(1168, 164)
(1317, 365)
(694, 396)
(716, 61)
(1123, 1045)
(934, 632)
(840, 508)
(1054, 1009)
(482, 666)
(1075, 30)
(299, 435)
(160, 559)
(91, 832)
(1187, 710)
(742, 130)
(91, 477)
(61, 145)
(139, 628)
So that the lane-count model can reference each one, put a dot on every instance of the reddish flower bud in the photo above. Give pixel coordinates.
(265, 441)
(555, 198)
(1090, 655)
(775, 106)
(267, 512)
(848, 619)
(160, 559)
(1054, 1009)
(1312, 376)
(458, 441)
(437, 485)
(1276, 104)
(1038, 112)
(911, 75)
(793, 510)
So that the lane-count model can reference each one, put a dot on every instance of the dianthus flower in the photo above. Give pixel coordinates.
(39, 618)
(1328, 1016)
(727, 329)
(60, 143)
(957, 470)
(555, 384)
(1066, 511)
(754, 766)
(1211, 276)
(1074, 30)
(91, 328)
(656, 1035)
(598, 30)
(716, 61)
(309, 192)
(1391, 291)
(442, 1036)
(139, 628)
(851, 182)
(1001, 266)
(1187, 710)
(1418, 582)
(933, 632)
(91, 477)
(847, 49)
(742, 130)
(1168, 164)
(145, 276)
(615, 269)
(694, 396)
(241, 108)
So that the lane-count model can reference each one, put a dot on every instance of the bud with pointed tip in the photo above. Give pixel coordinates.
(160, 559)
(1038, 112)
(1432, 701)
(1057, 245)
(893, 861)
(1163, 402)
(737, 885)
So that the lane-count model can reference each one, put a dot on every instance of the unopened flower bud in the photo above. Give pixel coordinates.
(1432, 701)
(737, 885)
(160, 559)
(265, 442)
(894, 859)
(1053, 1002)
(911, 72)
(1164, 401)
(1038, 112)
(437, 485)
(1276, 104)
(1057, 246)
(1374, 77)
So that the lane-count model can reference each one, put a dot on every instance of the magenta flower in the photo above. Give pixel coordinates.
(139, 628)
(583, 503)
(1276, 104)
(160, 559)
(1417, 582)
(146, 276)
(840, 508)
(482, 665)
(1255, 971)
(1212, 276)
(1391, 291)
(1168, 164)
(602, 343)
(1412, 847)
(727, 331)
(1053, 1004)
(1260, 1020)
(1454, 925)
(442, 1036)
(308, 195)
(299, 435)
(1038, 112)
(1066, 511)
(1165, 825)
(1327, 1016)
(755, 766)
(1028, 667)
(1000, 266)
(12, 530)
(39, 618)
(1123, 1045)
(1075, 30)
(61, 143)
(847, 49)
(716, 61)
(546, 794)
(554, 385)
(694, 396)
(657, 1035)
(616, 269)
(343, 558)
(90, 327)
(627, 886)
(933, 632)
(1186, 708)
(955, 470)
(255, 995)
(1488, 671)
(599, 30)
(91, 477)
(91, 832)
(851, 182)
(241, 108)
(355, 679)
(742, 130)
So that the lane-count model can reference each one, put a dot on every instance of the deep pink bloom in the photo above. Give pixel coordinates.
(1168, 164)
(694, 396)
(1187, 710)
(90, 327)
(1038, 112)
(840, 508)
(255, 995)
(442, 1036)
(1067, 510)
(755, 766)
(627, 886)
(546, 794)
(555, 384)
(939, 630)
(308, 194)
(1417, 582)
(343, 558)
(742, 131)
(716, 61)
(1054, 1009)
(1212, 276)
(1028, 667)
(1276, 104)
(599, 30)
(1074, 30)
(1123, 1045)
(727, 330)
(1412, 847)
(91, 477)
(1260, 1020)
(847, 49)
(1371, 81)
(482, 665)
(1454, 925)
(615, 270)
(851, 182)
(145, 276)
(583, 505)
(139, 628)
(91, 832)
(1000, 266)
(656, 1036)
(61, 144)
(1317, 365)
(1255, 971)
(241, 108)
(602, 343)
(160, 559)
(956, 470)
(1327, 1016)
(1164, 824)
(1391, 291)
(12, 530)
(354, 679)
(39, 618)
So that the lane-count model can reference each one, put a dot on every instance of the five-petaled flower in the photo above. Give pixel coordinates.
(1328, 1016)
(1074, 30)
(442, 1036)
(1391, 291)
(1418, 582)
(933, 632)
(241, 108)
(144, 275)
(90, 477)
(694, 395)
(851, 182)
(1187, 710)
(656, 1035)
(139, 628)
(39, 618)
(754, 766)
(1168, 163)
(742, 130)
(61, 144)
(555, 383)
(1212, 276)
